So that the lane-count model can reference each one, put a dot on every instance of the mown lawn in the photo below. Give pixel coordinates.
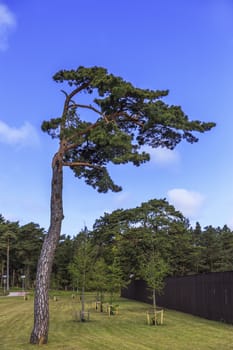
(128, 330)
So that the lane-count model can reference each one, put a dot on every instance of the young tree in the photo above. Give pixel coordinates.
(99, 282)
(82, 266)
(153, 271)
(127, 118)
(115, 278)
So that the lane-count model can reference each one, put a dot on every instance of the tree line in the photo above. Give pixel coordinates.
(19, 250)
(120, 246)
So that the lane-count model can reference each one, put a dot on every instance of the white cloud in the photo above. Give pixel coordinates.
(7, 23)
(162, 156)
(188, 202)
(24, 136)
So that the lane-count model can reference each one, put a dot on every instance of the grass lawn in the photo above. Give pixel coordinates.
(126, 331)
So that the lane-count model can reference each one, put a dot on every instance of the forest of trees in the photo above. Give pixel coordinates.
(117, 248)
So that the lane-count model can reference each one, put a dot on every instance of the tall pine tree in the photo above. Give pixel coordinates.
(125, 118)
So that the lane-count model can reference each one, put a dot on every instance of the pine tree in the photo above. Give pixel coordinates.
(125, 118)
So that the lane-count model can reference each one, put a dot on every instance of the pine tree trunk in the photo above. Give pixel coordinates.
(27, 280)
(8, 266)
(13, 278)
(154, 300)
(39, 333)
(3, 265)
(83, 305)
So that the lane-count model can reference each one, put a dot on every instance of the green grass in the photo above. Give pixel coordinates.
(126, 331)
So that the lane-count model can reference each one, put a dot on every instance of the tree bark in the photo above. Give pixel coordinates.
(39, 333)
(8, 265)
(83, 304)
(154, 300)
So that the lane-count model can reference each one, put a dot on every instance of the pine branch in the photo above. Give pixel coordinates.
(73, 164)
(77, 105)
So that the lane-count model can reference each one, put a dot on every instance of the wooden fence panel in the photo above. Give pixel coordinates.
(205, 295)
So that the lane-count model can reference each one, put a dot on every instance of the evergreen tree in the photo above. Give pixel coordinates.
(196, 250)
(210, 249)
(125, 118)
(61, 277)
(8, 236)
(131, 231)
(225, 255)
(29, 242)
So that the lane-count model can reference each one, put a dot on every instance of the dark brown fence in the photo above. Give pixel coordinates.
(206, 295)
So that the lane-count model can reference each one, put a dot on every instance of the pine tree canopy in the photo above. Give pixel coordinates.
(126, 119)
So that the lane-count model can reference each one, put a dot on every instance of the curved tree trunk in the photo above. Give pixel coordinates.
(39, 333)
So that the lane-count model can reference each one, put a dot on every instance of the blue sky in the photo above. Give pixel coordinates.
(184, 46)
